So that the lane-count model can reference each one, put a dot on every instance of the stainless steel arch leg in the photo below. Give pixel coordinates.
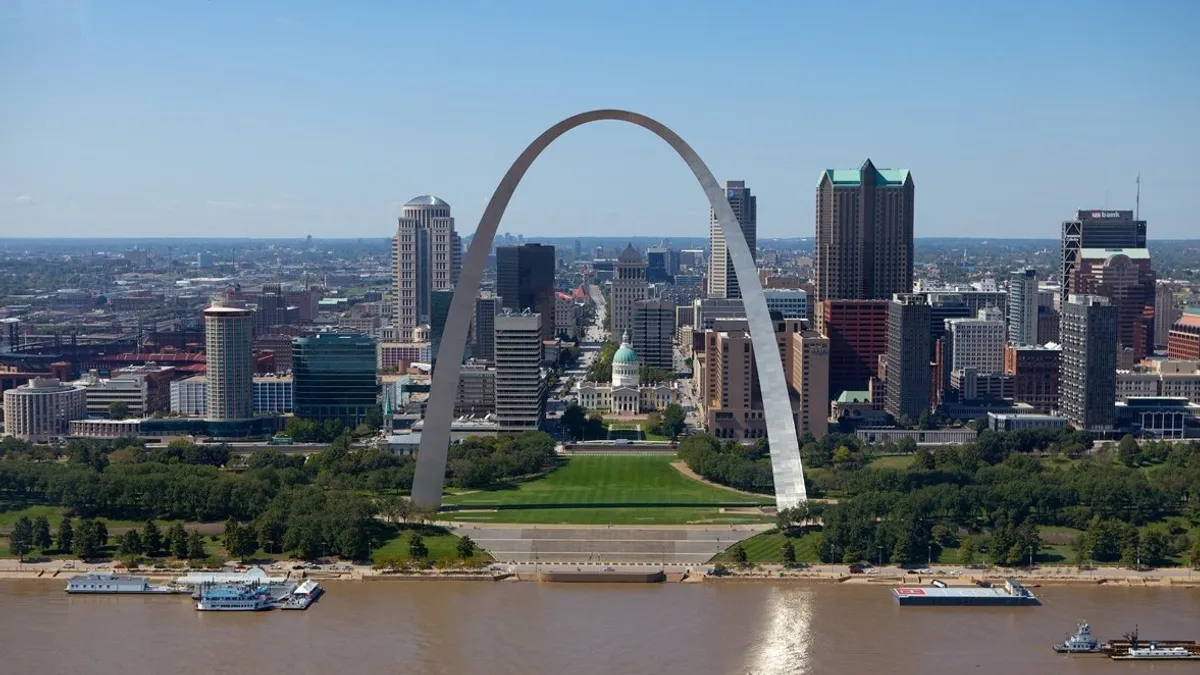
(439, 413)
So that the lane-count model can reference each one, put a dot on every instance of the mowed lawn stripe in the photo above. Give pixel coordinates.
(609, 479)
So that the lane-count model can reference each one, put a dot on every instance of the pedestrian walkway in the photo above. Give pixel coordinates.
(688, 545)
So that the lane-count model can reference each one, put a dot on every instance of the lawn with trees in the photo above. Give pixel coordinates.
(990, 501)
(607, 480)
(326, 504)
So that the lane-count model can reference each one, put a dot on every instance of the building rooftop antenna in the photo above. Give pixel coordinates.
(1137, 201)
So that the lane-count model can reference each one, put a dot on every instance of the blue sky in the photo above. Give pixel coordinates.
(228, 118)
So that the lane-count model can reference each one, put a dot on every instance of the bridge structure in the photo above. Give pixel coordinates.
(787, 470)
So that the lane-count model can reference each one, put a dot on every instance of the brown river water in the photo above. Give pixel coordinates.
(577, 629)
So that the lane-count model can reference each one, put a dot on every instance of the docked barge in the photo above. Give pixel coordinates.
(1011, 594)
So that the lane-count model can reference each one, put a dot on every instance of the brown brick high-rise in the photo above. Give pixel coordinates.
(864, 247)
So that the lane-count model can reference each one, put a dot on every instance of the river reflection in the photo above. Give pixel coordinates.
(786, 633)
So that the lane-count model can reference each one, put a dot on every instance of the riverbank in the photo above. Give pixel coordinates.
(828, 574)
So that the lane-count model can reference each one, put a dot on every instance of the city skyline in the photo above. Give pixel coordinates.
(291, 122)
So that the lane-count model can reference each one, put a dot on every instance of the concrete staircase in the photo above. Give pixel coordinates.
(553, 544)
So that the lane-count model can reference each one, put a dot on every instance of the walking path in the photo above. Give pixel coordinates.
(686, 470)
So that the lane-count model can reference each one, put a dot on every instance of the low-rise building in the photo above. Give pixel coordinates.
(42, 409)
(130, 390)
(1160, 378)
(272, 395)
(1017, 422)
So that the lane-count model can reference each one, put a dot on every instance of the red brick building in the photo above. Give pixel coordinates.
(857, 332)
(1037, 373)
(1184, 340)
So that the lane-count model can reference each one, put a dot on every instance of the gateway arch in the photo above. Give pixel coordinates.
(439, 413)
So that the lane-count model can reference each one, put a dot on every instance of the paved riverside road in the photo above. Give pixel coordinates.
(678, 545)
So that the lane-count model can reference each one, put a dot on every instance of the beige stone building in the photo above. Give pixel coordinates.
(628, 286)
(426, 257)
(728, 392)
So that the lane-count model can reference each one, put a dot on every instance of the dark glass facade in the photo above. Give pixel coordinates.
(334, 377)
(439, 311)
(525, 280)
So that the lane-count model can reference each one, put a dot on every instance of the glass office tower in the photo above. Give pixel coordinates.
(334, 377)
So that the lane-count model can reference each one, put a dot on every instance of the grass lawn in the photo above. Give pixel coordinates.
(609, 481)
(765, 548)
(670, 515)
(442, 545)
(9, 513)
(891, 462)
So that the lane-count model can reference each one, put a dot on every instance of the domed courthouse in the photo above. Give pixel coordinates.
(626, 395)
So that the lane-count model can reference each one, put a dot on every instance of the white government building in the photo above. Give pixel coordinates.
(626, 395)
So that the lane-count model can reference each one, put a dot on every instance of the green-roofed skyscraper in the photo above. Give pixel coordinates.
(864, 247)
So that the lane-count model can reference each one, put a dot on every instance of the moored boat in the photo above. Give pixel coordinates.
(112, 583)
(234, 599)
(301, 596)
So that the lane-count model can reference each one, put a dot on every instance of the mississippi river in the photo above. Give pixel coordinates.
(532, 629)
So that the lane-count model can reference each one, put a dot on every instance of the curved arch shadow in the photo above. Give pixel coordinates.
(439, 413)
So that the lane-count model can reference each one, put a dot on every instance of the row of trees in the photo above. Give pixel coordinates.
(83, 540)
(150, 541)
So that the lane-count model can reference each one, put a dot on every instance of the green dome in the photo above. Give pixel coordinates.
(625, 355)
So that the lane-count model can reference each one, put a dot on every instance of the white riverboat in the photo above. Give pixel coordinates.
(110, 583)
(234, 599)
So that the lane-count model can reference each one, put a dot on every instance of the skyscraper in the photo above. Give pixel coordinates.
(439, 309)
(1124, 276)
(653, 333)
(520, 390)
(487, 306)
(334, 377)
(1166, 312)
(864, 247)
(1096, 229)
(425, 252)
(1089, 362)
(229, 362)
(908, 350)
(525, 280)
(722, 281)
(628, 286)
(1023, 307)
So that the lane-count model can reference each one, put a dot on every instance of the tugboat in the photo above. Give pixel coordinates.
(1082, 642)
